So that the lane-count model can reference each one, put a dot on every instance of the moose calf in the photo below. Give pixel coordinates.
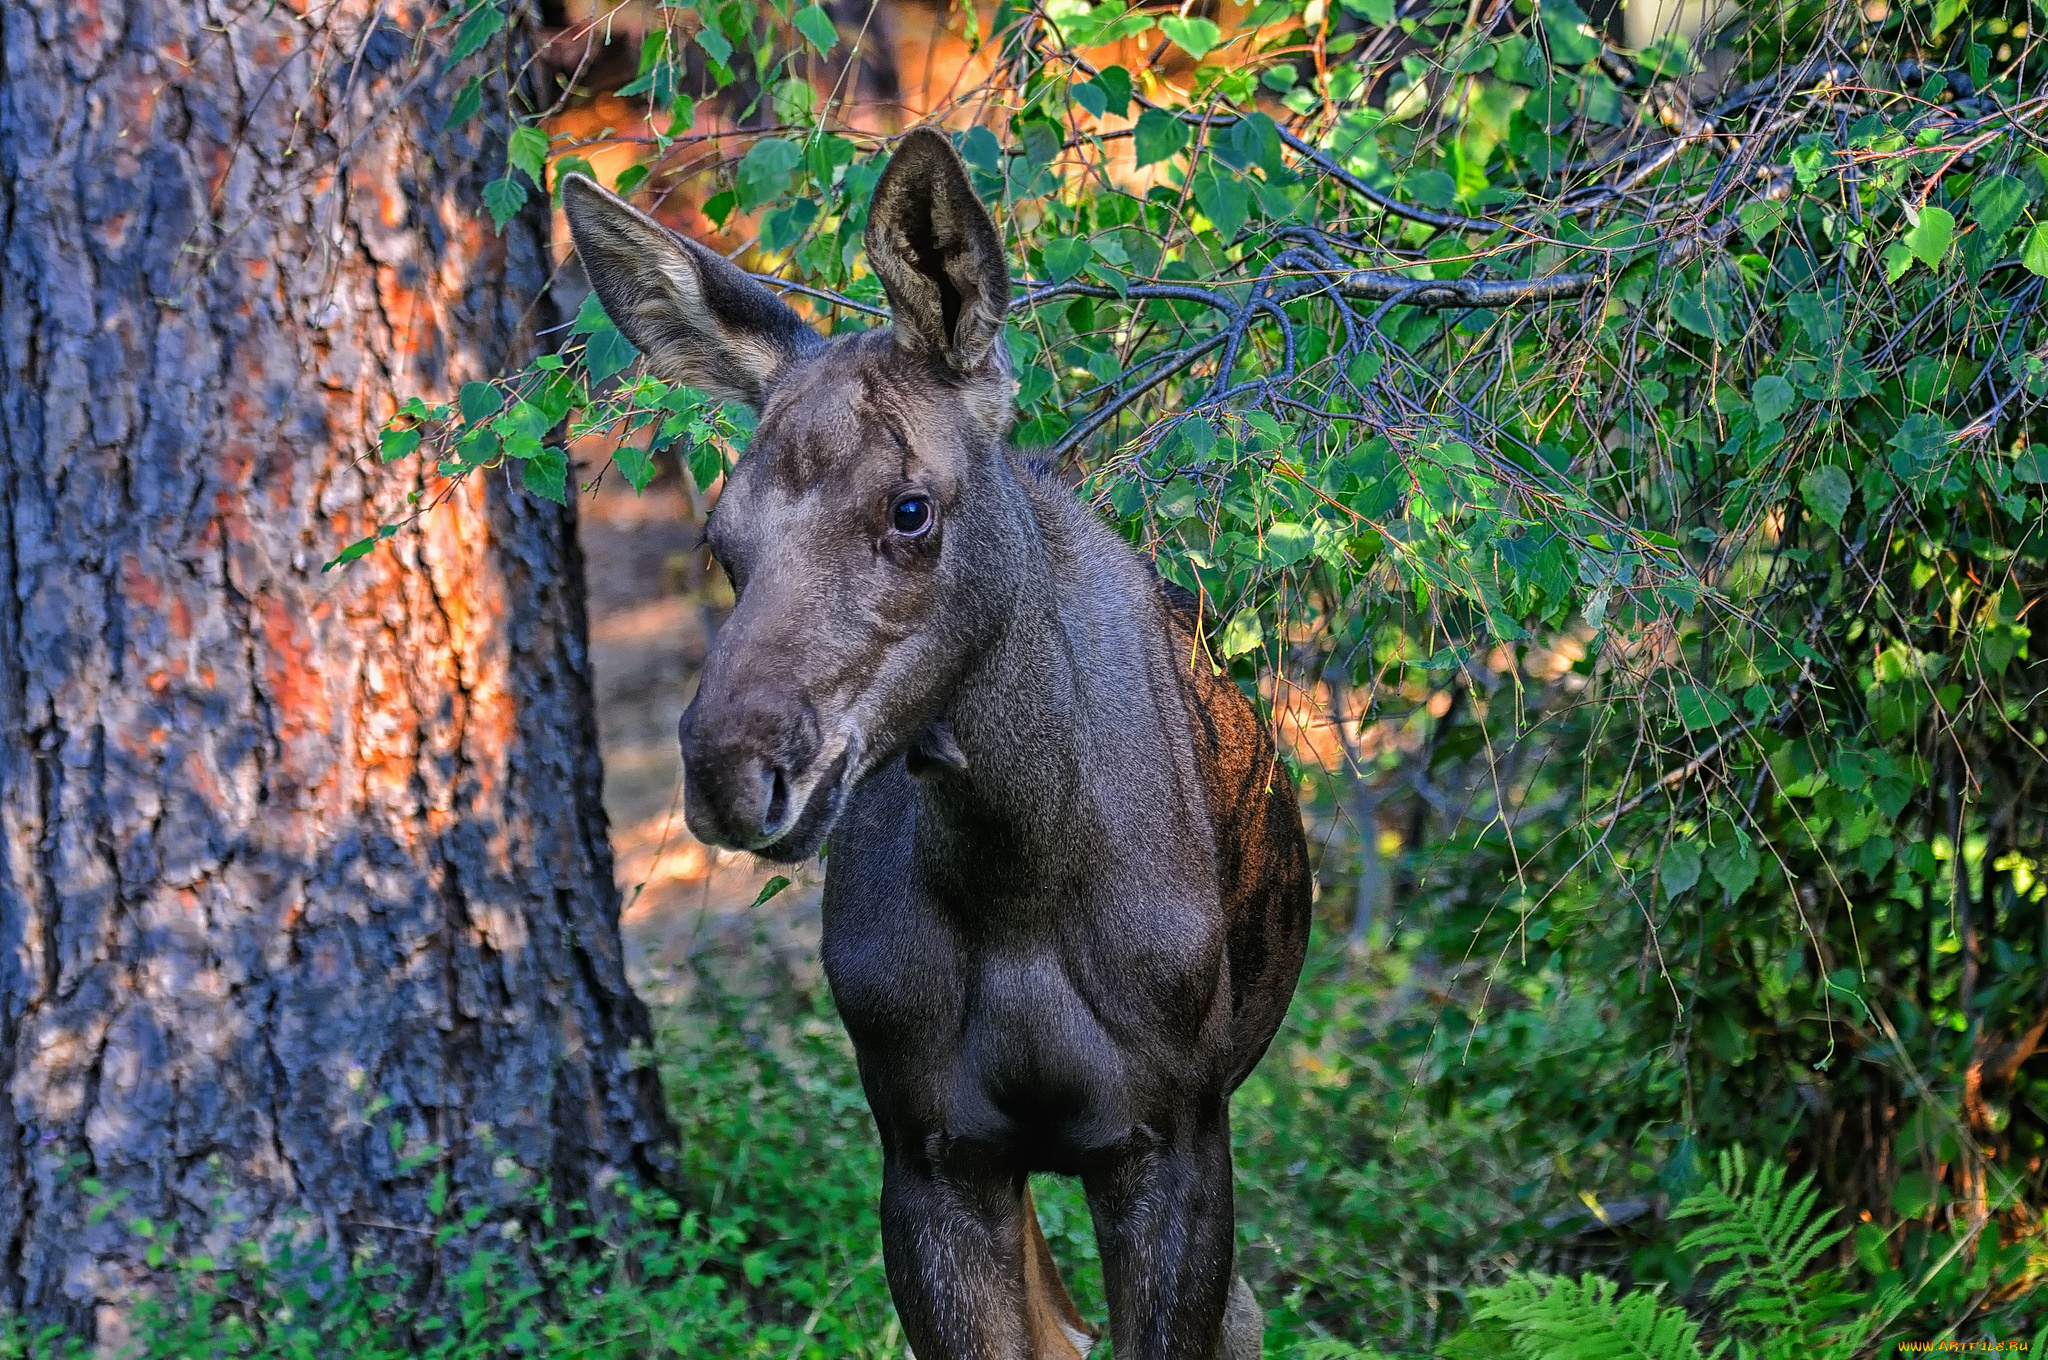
(1067, 892)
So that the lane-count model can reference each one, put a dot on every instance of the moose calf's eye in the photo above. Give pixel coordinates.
(911, 517)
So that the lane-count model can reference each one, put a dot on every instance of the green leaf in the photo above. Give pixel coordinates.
(1042, 141)
(636, 464)
(528, 151)
(1115, 84)
(547, 474)
(765, 170)
(1600, 99)
(707, 464)
(1288, 542)
(1913, 1195)
(590, 315)
(1700, 707)
(1771, 398)
(479, 400)
(393, 444)
(815, 24)
(1378, 13)
(504, 197)
(571, 165)
(1733, 865)
(1430, 188)
(768, 890)
(607, 352)
(466, 104)
(1681, 869)
(715, 44)
(1926, 380)
(1811, 158)
(1699, 311)
(654, 66)
(1762, 217)
(2031, 466)
(358, 549)
(1089, 97)
(980, 149)
(1931, 236)
(1587, 1319)
(1242, 634)
(1223, 201)
(1196, 37)
(1996, 203)
(480, 27)
(1826, 491)
(1158, 136)
(1128, 25)
(2034, 254)
(1573, 41)
(1066, 257)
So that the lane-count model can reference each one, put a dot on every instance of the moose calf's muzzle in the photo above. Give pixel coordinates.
(749, 758)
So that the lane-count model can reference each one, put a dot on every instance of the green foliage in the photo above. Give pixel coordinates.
(649, 1280)
(1770, 1299)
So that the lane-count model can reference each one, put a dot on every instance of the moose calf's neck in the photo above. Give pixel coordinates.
(1071, 728)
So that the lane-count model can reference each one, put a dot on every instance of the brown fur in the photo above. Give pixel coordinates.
(1262, 859)
(1055, 1326)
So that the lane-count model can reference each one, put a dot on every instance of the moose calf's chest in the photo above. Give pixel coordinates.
(1048, 1024)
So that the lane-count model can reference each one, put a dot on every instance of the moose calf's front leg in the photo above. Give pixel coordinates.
(1164, 1222)
(968, 1267)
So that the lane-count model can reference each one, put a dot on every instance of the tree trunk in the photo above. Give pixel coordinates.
(305, 895)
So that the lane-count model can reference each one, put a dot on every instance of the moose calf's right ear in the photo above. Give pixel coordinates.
(939, 256)
(697, 317)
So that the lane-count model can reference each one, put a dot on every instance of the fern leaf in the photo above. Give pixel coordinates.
(1768, 1237)
(1560, 1319)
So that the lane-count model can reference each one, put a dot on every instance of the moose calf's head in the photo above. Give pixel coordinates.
(872, 530)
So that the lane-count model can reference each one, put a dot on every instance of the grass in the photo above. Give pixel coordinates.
(1412, 1141)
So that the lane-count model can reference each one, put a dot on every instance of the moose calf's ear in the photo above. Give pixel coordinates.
(938, 255)
(697, 317)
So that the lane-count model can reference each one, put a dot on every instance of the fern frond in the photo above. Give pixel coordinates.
(1768, 1237)
(1560, 1319)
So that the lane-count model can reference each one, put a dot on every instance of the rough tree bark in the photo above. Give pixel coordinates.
(286, 858)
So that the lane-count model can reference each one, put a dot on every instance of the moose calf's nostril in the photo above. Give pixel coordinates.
(778, 802)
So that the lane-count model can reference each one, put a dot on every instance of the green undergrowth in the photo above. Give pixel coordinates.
(1424, 1169)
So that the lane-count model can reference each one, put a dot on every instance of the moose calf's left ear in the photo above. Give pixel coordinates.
(938, 255)
(697, 317)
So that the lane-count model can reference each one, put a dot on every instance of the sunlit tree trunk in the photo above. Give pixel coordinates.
(288, 860)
